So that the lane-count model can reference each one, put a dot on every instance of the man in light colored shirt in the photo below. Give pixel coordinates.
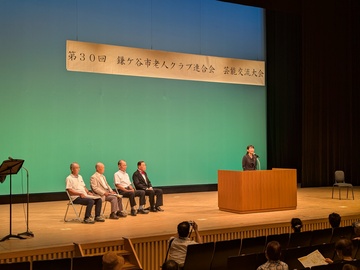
(79, 194)
(178, 244)
(124, 187)
(101, 187)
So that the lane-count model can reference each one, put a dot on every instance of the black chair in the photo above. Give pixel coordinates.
(282, 238)
(199, 256)
(253, 245)
(247, 261)
(341, 232)
(355, 248)
(355, 263)
(327, 250)
(356, 244)
(15, 266)
(89, 262)
(291, 256)
(57, 264)
(223, 250)
(332, 266)
(300, 239)
(322, 236)
(340, 182)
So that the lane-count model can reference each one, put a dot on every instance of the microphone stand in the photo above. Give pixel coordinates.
(258, 161)
(27, 233)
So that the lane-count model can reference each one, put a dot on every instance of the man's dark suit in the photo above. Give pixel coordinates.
(140, 184)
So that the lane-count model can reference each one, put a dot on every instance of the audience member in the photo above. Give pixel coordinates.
(343, 248)
(178, 245)
(170, 265)
(349, 267)
(296, 225)
(334, 220)
(249, 160)
(112, 261)
(142, 182)
(101, 187)
(273, 253)
(124, 187)
(81, 195)
(356, 226)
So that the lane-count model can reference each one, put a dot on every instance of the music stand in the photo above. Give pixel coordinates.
(10, 167)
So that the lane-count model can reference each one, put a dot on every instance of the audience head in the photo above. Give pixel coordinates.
(183, 229)
(170, 265)
(344, 248)
(112, 261)
(334, 220)
(273, 251)
(356, 226)
(296, 224)
(349, 267)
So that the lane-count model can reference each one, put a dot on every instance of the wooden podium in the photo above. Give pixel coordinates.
(257, 191)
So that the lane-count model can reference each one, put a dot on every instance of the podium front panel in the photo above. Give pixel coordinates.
(257, 191)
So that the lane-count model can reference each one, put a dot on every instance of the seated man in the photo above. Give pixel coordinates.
(178, 244)
(124, 187)
(81, 195)
(101, 187)
(343, 249)
(273, 253)
(142, 182)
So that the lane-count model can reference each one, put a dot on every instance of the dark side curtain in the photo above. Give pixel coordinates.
(313, 84)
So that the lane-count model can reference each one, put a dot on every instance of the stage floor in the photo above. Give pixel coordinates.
(49, 229)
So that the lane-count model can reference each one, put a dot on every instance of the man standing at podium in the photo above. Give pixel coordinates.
(249, 161)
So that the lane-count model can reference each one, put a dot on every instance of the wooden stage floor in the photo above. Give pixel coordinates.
(46, 218)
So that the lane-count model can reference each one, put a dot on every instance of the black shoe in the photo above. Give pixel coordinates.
(121, 214)
(133, 212)
(113, 216)
(142, 211)
(159, 209)
(89, 220)
(153, 209)
(99, 219)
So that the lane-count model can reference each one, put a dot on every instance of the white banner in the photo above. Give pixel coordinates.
(109, 59)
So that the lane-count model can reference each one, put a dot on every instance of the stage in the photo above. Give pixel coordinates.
(49, 229)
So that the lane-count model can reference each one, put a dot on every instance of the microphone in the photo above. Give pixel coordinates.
(256, 155)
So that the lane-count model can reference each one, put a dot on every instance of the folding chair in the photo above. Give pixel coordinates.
(104, 208)
(128, 200)
(70, 203)
(340, 182)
